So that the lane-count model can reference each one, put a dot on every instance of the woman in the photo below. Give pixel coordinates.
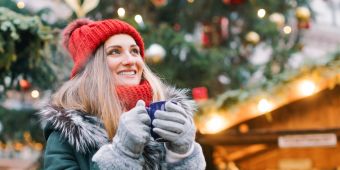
(98, 119)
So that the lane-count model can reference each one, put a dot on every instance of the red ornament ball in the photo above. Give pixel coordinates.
(24, 84)
(159, 3)
(233, 2)
(200, 93)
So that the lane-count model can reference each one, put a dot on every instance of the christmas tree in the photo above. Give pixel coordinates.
(190, 43)
(214, 43)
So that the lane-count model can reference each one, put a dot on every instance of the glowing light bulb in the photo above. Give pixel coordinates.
(306, 88)
(190, 1)
(287, 29)
(35, 94)
(261, 13)
(264, 106)
(21, 4)
(139, 19)
(215, 124)
(121, 12)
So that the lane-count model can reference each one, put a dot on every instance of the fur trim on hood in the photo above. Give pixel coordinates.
(84, 131)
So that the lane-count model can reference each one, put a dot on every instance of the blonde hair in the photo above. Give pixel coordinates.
(93, 91)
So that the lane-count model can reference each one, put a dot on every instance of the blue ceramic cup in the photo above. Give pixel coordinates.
(160, 105)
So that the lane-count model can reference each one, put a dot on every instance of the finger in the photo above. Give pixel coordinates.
(145, 118)
(146, 128)
(140, 132)
(172, 107)
(140, 110)
(168, 125)
(140, 103)
(170, 116)
(145, 134)
(170, 136)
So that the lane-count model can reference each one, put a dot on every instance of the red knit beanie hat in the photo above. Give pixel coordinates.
(83, 36)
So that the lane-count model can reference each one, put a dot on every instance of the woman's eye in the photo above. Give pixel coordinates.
(135, 51)
(114, 51)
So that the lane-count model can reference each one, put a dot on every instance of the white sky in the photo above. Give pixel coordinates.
(327, 12)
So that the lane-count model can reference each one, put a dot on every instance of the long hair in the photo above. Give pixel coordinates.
(93, 91)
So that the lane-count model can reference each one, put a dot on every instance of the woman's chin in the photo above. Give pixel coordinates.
(128, 82)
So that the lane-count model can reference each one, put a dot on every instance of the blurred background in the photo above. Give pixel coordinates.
(265, 74)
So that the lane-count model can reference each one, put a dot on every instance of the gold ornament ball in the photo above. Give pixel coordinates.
(275, 68)
(252, 37)
(278, 19)
(155, 59)
(302, 13)
(155, 53)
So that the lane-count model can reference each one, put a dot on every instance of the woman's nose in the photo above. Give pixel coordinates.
(128, 59)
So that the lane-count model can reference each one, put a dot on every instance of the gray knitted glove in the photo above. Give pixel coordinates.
(176, 126)
(133, 131)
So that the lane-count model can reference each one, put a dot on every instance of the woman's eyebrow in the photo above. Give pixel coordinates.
(134, 45)
(114, 46)
(107, 49)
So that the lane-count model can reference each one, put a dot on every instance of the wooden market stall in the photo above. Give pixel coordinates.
(301, 135)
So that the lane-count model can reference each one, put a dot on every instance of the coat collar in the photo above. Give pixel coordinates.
(80, 130)
(84, 131)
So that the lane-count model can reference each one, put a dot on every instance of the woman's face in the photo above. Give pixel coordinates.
(124, 60)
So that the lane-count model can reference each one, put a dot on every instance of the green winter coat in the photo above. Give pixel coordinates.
(77, 140)
(59, 154)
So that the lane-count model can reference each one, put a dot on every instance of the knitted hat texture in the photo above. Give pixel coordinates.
(83, 36)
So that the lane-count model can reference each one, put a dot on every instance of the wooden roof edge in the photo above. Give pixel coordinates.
(259, 136)
(248, 110)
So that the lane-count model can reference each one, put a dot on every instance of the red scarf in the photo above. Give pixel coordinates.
(129, 95)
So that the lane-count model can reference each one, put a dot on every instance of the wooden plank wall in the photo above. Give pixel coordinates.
(320, 159)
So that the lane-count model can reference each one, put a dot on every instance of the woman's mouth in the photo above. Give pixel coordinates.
(129, 73)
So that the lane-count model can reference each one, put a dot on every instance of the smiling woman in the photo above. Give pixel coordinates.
(98, 119)
(124, 60)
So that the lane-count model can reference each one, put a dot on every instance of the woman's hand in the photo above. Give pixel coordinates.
(176, 126)
(133, 130)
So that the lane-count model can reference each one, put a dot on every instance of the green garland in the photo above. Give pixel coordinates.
(24, 51)
(233, 97)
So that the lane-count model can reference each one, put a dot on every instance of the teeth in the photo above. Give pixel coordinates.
(127, 73)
